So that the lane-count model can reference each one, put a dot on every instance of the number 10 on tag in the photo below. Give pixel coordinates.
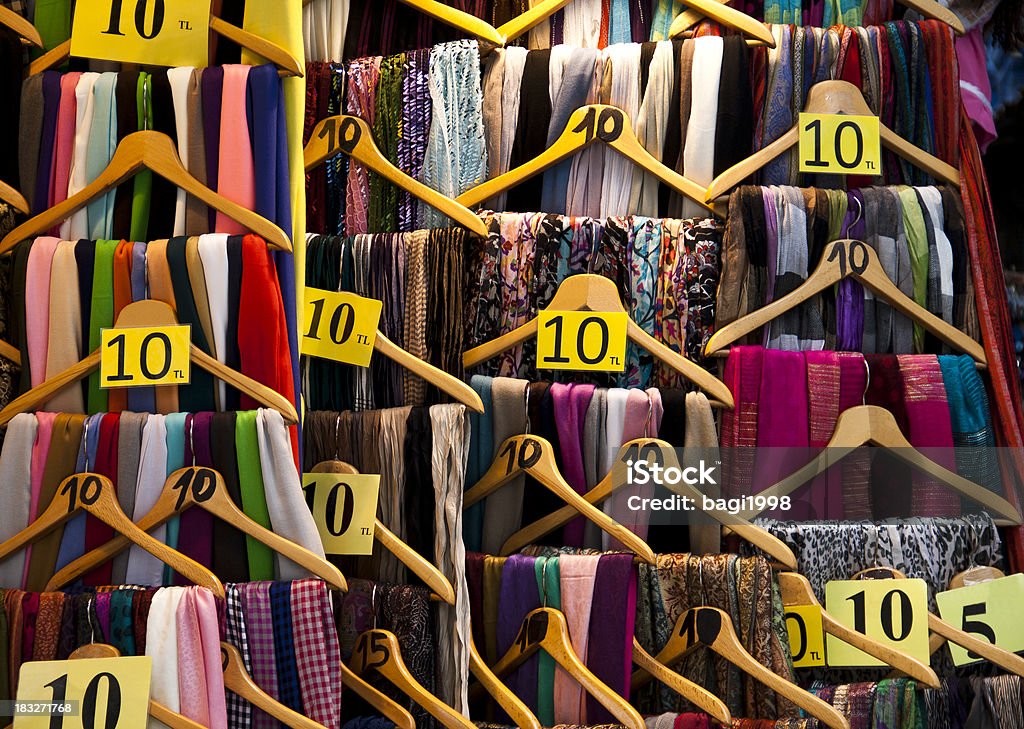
(344, 508)
(581, 340)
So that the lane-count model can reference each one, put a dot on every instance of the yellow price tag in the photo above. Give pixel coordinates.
(151, 32)
(806, 636)
(581, 340)
(87, 692)
(340, 326)
(840, 144)
(344, 508)
(987, 611)
(135, 356)
(893, 612)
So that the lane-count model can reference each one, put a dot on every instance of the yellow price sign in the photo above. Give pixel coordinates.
(340, 326)
(135, 356)
(840, 144)
(84, 693)
(893, 612)
(581, 340)
(806, 636)
(988, 611)
(344, 508)
(151, 32)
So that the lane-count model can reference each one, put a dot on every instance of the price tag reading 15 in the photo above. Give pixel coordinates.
(340, 326)
(111, 693)
(136, 356)
(152, 32)
(840, 144)
(344, 508)
(893, 612)
(581, 340)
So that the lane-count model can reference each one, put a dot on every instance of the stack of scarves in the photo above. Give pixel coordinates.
(788, 404)
(675, 95)
(225, 287)
(417, 277)
(666, 271)
(894, 702)
(421, 455)
(976, 703)
(425, 109)
(137, 452)
(932, 549)
(596, 593)
(775, 238)
(586, 426)
(608, 600)
(405, 610)
(228, 124)
(284, 631)
(176, 626)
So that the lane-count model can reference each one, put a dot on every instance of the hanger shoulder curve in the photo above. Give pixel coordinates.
(520, 714)
(523, 22)
(13, 197)
(740, 171)
(259, 45)
(21, 26)
(386, 706)
(695, 694)
(154, 151)
(379, 650)
(467, 23)
(728, 16)
(487, 350)
(445, 382)
(352, 136)
(238, 681)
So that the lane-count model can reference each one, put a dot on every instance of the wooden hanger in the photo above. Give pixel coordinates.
(156, 152)
(695, 694)
(149, 313)
(11, 196)
(95, 494)
(156, 710)
(466, 22)
(847, 259)
(589, 124)
(975, 576)
(866, 424)
(722, 14)
(536, 457)
(589, 292)
(21, 26)
(10, 352)
(643, 448)
(432, 577)
(286, 63)
(546, 629)
(520, 714)
(796, 590)
(1003, 658)
(379, 650)
(384, 705)
(204, 488)
(238, 681)
(352, 135)
(713, 628)
(832, 97)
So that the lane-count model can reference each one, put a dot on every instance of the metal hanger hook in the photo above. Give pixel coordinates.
(337, 444)
(191, 442)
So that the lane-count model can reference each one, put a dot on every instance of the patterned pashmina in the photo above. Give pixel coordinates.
(362, 76)
(387, 124)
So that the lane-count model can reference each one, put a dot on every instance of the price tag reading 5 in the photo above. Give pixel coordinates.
(135, 356)
(152, 32)
(344, 508)
(840, 144)
(806, 637)
(893, 612)
(340, 326)
(581, 340)
(988, 611)
(113, 693)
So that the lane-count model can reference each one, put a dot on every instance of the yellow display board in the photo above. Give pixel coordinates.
(151, 32)
(581, 340)
(136, 356)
